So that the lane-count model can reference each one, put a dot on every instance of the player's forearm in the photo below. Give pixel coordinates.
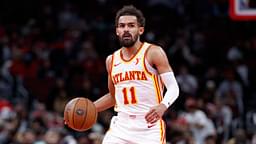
(172, 92)
(105, 102)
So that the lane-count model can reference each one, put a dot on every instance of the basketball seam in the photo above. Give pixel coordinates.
(85, 114)
(95, 115)
(74, 111)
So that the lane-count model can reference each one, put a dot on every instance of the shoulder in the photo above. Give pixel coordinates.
(155, 53)
(155, 50)
(109, 60)
(154, 47)
(110, 57)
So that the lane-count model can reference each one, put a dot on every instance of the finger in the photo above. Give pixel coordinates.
(151, 117)
(149, 114)
(154, 120)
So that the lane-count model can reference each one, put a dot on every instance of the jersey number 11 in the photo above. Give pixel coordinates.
(132, 99)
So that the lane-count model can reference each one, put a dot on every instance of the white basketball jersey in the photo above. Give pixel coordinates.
(137, 84)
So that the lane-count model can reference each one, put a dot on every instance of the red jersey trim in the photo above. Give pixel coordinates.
(122, 57)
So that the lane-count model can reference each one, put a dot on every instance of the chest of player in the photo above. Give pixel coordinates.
(128, 71)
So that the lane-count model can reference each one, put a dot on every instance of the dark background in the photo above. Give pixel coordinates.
(53, 51)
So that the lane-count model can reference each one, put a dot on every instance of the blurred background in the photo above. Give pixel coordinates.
(53, 51)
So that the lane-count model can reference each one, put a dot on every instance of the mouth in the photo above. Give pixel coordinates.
(127, 36)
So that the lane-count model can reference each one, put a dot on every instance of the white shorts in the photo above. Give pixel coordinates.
(133, 129)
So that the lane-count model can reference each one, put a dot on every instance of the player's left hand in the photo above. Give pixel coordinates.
(155, 113)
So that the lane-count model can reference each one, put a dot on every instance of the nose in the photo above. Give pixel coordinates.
(126, 28)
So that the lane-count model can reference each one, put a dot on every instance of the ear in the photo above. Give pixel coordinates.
(141, 30)
(117, 33)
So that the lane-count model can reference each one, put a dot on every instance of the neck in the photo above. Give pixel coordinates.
(133, 49)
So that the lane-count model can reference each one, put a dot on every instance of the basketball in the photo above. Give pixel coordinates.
(80, 114)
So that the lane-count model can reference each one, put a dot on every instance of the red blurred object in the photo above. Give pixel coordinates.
(242, 10)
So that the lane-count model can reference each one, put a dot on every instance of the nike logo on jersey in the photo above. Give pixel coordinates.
(151, 125)
(116, 64)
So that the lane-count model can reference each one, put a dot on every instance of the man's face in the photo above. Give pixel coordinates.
(128, 30)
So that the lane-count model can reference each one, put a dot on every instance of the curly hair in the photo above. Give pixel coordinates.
(133, 11)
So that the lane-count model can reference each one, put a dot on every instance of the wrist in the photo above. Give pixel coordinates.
(163, 106)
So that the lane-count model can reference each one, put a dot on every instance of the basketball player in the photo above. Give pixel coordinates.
(137, 74)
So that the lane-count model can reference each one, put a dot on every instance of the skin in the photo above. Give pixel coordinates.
(127, 30)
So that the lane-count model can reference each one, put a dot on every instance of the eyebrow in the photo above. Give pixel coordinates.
(127, 23)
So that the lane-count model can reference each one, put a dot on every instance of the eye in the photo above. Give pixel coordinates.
(131, 25)
(121, 25)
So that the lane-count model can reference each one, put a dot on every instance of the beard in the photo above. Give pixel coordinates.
(127, 40)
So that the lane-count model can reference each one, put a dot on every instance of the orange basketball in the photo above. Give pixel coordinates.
(80, 114)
